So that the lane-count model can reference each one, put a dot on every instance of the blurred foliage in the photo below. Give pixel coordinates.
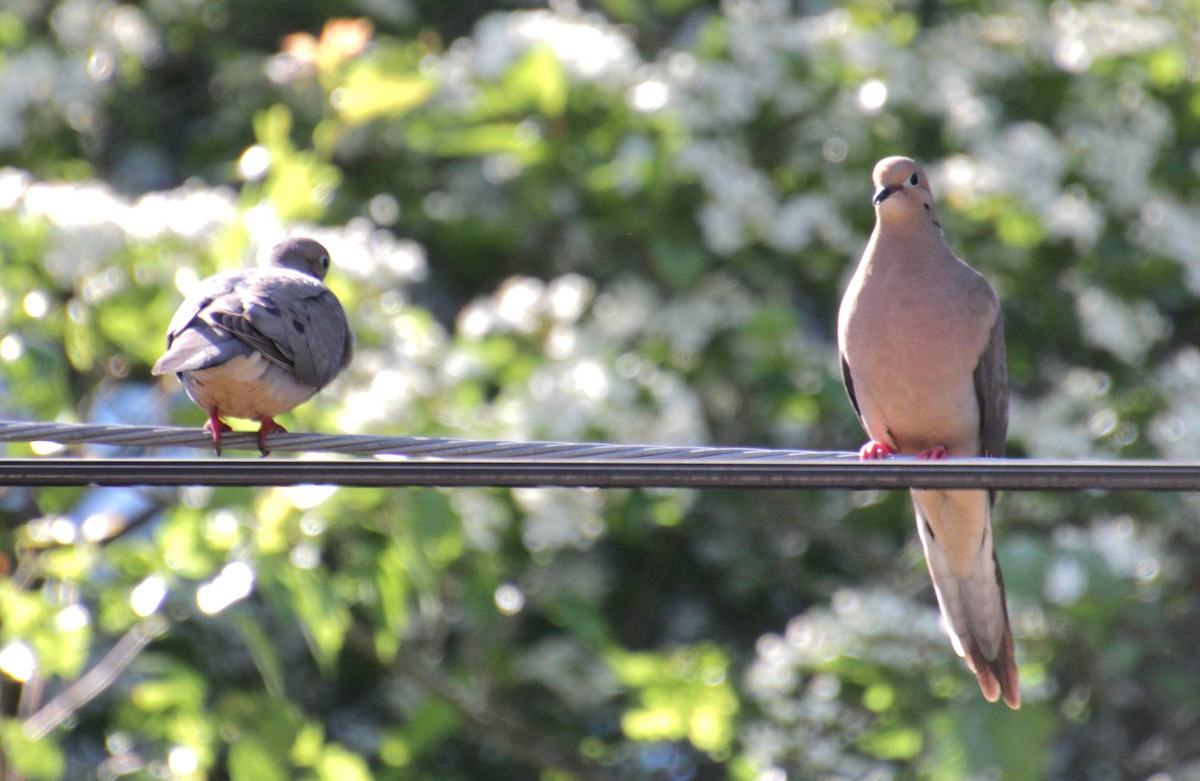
(629, 221)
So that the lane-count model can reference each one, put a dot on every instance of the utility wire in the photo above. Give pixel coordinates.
(826, 473)
(419, 461)
(410, 447)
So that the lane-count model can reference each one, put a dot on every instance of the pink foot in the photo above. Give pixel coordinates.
(874, 451)
(934, 454)
(216, 426)
(269, 426)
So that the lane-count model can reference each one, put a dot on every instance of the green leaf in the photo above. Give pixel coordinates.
(894, 743)
(478, 140)
(299, 183)
(310, 740)
(1167, 66)
(679, 264)
(37, 760)
(538, 78)
(265, 653)
(249, 760)
(946, 759)
(183, 547)
(182, 689)
(879, 697)
(684, 694)
(1017, 741)
(12, 30)
(323, 618)
(23, 612)
(370, 92)
(438, 529)
(1020, 229)
(340, 764)
(392, 588)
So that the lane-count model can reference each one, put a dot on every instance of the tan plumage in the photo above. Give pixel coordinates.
(921, 339)
(256, 343)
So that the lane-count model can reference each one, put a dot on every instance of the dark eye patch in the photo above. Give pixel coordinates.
(914, 179)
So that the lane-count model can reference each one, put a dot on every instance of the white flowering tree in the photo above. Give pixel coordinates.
(629, 222)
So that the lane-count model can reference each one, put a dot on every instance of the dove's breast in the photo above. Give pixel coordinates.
(246, 387)
(912, 332)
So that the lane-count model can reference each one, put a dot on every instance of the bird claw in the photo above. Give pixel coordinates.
(216, 426)
(934, 454)
(874, 451)
(269, 426)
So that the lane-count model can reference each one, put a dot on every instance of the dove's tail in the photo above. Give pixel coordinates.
(997, 676)
(970, 593)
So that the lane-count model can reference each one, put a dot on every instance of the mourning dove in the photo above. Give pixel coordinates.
(256, 343)
(921, 339)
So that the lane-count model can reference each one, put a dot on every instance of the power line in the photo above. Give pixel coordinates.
(417, 461)
(409, 447)
(830, 473)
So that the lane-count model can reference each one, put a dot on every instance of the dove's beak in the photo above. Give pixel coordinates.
(883, 193)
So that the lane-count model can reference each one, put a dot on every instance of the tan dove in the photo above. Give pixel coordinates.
(921, 339)
(256, 343)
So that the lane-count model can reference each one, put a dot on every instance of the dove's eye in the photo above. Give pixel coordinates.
(913, 179)
(325, 262)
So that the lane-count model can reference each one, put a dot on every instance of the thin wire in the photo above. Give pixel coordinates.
(999, 474)
(417, 461)
(408, 447)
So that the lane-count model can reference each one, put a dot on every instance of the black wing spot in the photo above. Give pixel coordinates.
(929, 531)
(299, 326)
(272, 310)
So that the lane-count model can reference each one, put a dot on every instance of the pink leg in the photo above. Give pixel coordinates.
(874, 451)
(269, 426)
(934, 454)
(216, 426)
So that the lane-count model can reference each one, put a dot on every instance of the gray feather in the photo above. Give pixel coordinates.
(973, 607)
(991, 388)
(288, 316)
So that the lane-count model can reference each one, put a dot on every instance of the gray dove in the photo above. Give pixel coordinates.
(921, 340)
(255, 343)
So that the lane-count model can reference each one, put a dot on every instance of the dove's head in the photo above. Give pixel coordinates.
(303, 255)
(902, 191)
